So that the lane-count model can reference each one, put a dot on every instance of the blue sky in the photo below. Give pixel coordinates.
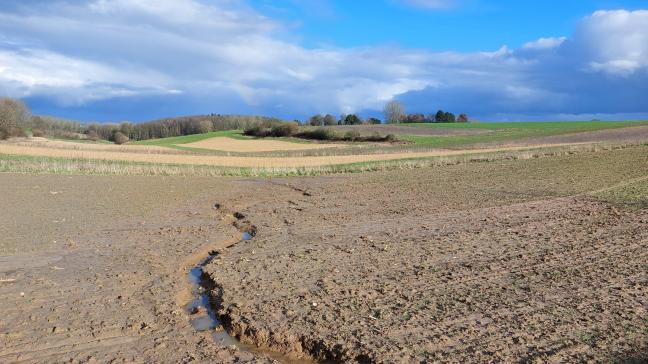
(461, 25)
(113, 60)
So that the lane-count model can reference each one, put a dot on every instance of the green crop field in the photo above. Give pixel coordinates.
(508, 131)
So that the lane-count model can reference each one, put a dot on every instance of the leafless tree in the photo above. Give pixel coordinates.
(394, 112)
(14, 116)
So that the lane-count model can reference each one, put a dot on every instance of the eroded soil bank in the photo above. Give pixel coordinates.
(506, 261)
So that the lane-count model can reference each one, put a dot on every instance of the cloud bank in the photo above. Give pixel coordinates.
(223, 56)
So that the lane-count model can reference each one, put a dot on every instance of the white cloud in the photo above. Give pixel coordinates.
(76, 52)
(544, 43)
(73, 80)
(616, 42)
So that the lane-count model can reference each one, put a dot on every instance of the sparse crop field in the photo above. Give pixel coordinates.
(530, 249)
(233, 150)
(124, 154)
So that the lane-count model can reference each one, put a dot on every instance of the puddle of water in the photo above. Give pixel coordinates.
(194, 276)
(223, 338)
(203, 317)
(204, 323)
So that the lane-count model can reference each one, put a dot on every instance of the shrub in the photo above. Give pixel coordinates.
(258, 131)
(319, 134)
(38, 133)
(352, 135)
(284, 130)
(92, 135)
(120, 138)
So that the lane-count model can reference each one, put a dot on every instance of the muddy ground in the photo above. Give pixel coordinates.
(501, 261)
(97, 272)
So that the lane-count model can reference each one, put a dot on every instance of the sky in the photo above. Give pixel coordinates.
(508, 60)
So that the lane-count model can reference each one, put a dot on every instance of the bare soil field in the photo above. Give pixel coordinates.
(508, 261)
(254, 145)
(501, 262)
(97, 271)
(407, 130)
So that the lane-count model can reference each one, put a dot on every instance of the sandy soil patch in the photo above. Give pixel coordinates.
(249, 162)
(255, 145)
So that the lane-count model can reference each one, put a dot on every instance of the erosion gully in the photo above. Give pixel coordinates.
(204, 317)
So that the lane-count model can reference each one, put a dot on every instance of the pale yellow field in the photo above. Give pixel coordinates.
(237, 161)
(254, 145)
(62, 144)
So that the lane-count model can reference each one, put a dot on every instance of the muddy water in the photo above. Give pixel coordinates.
(204, 317)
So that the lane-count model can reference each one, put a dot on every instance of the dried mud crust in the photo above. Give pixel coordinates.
(353, 274)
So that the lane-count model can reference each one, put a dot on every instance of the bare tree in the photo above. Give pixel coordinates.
(394, 112)
(14, 116)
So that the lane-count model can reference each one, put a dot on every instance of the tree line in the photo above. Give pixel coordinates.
(172, 127)
(394, 113)
(16, 120)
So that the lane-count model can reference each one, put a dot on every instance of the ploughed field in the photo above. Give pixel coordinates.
(504, 261)
(511, 260)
